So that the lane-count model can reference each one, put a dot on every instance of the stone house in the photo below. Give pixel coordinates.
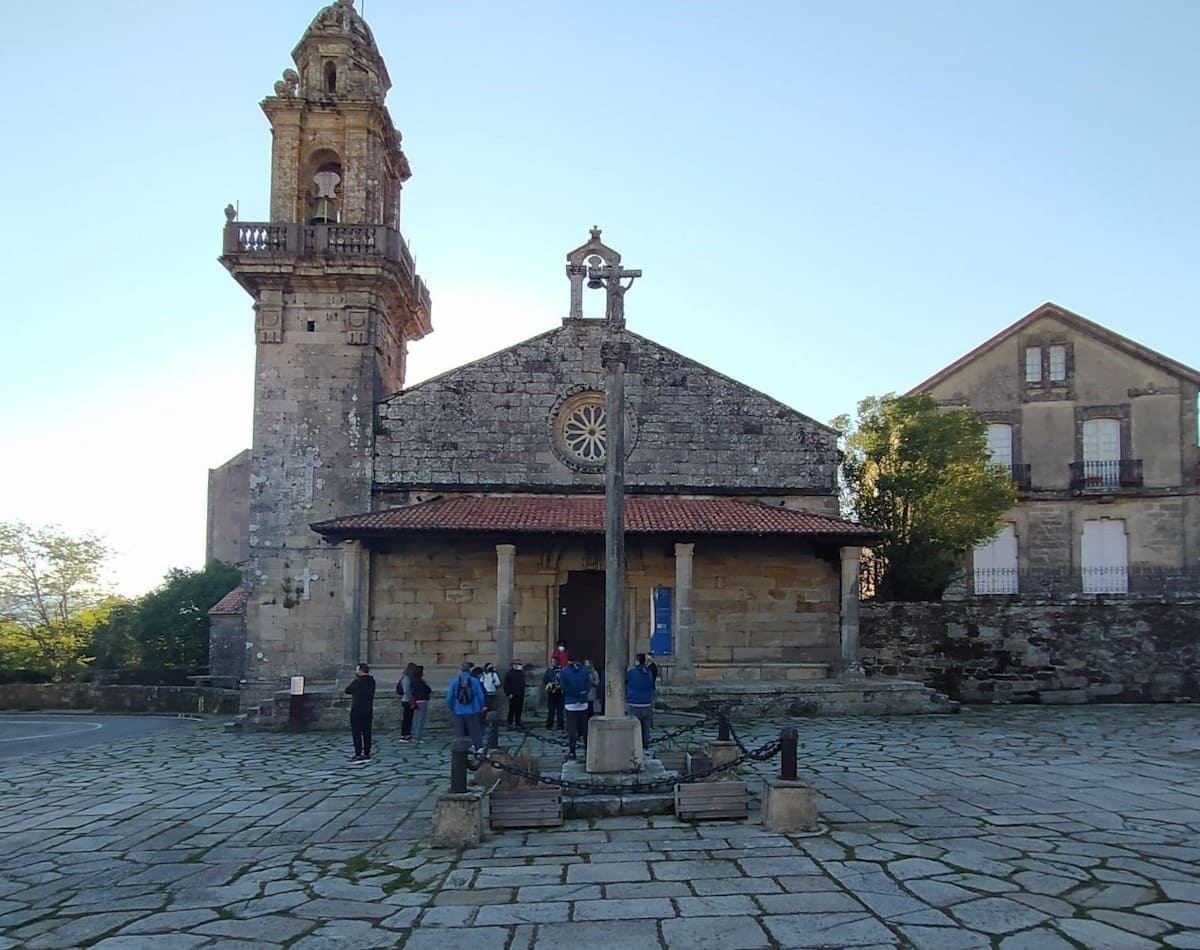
(462, 518)
(1100, 434)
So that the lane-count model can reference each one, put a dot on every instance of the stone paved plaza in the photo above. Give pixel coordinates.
(1017, 828)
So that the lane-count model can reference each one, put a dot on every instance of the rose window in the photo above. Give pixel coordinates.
(583, 431)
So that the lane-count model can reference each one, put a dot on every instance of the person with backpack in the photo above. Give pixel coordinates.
(403, 690)
(362, 711)
(639, 697)
(514, 691)
(554, 695)
(465, 698)
(420, 692)
(576, 683)
(491, 686)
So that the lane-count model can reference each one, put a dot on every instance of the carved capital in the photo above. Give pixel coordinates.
(613, 352)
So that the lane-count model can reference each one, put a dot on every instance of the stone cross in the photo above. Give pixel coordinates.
(311, 464)
(307, 577)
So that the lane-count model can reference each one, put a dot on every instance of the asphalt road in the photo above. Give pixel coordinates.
(41, 733)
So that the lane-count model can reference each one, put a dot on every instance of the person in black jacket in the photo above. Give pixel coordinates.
(362, 711)
(514, 689)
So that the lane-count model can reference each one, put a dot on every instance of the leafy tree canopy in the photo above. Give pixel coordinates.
(171, 623)
(922, 474)
(50, 588)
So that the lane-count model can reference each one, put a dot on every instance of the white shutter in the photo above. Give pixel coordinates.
(999, 442)
(1102, 453)
(1104, 557)
(995, 564)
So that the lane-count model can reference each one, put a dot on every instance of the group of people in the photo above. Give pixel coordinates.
(574, 692)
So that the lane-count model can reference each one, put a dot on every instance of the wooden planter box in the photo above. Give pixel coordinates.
(526, 808)
(705, 800)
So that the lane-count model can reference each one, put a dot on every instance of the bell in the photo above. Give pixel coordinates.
(595, 283)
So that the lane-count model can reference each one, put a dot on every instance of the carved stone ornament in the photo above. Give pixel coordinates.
(578, 430)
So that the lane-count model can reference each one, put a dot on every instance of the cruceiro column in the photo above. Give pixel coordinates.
(685, 667)
(851, 663)
(505, 557)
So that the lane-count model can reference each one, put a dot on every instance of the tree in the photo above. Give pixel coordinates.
(49, 582)
(170, 624)
(922, 475)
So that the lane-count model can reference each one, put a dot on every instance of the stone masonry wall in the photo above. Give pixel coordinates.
(756, 604)
(979, 651)
(490, 424)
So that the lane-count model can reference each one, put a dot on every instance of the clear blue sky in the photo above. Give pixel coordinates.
(829, 200)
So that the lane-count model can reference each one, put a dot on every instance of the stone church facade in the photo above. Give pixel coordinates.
(463, 517)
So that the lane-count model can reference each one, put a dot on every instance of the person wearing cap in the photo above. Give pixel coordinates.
(514, 689)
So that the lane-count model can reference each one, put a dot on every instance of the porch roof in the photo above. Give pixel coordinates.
(584, 514)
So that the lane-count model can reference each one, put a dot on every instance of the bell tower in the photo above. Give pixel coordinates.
(336, 301)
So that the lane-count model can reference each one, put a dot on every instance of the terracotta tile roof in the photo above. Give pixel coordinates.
(231, 604)
(576, 514)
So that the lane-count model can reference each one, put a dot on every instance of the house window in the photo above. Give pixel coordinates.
(1033, 364)
(1102, 453)
(999, 443)
(995, 564)
(1058, 363)
(1104, 557)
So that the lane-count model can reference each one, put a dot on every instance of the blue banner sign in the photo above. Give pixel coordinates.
(660, 609)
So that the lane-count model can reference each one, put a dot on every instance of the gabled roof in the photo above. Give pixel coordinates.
(231, 604)
(1083, 325)
(584, 514)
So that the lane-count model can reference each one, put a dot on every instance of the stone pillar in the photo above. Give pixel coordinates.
(505, 592)
(685, 666)
(355, 578)
(851, 664)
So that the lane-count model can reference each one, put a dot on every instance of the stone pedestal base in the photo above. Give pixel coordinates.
(789, 807)
(618, 793)
(457, 820)
(723, 753)
(614, 744)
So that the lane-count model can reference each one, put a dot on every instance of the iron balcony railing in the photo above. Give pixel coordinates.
(328, 240)
(1062, 582)
(1106, 476)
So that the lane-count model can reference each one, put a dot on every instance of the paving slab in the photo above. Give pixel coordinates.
(1019, 828)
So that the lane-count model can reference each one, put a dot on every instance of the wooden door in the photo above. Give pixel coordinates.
(581, 616)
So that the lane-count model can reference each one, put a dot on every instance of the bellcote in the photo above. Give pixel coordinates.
(336, 155)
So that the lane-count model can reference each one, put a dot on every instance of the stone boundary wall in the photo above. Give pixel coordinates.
(1069, 651)
(119, 699)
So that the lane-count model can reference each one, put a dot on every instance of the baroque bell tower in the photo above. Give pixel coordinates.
(336, 300)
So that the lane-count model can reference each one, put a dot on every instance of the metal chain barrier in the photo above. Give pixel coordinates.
(763, 753)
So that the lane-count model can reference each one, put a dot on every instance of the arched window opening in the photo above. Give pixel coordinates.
(330, 77)
(326, 183)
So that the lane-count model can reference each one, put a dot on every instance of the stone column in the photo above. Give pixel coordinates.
(851, 664)
(685, 666)
(505, 593)
(355, 578)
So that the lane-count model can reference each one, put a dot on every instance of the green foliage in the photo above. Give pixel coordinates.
(169, 626)
(51, 594)
(921, 474)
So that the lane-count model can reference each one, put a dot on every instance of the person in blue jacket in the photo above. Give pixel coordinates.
(576, 684)
(465, 698)
(639, 696)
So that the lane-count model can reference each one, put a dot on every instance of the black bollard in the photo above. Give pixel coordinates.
(723, 733)
(787, 754)
(493, 736)
(458, 766)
